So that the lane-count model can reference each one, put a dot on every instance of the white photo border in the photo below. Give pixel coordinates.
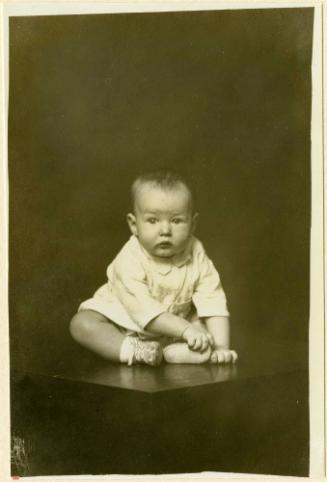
(317, 360)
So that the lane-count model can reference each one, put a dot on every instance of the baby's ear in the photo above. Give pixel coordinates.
(131, 221)
(194, 221)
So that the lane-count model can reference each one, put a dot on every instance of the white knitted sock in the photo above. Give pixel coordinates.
(134, 350)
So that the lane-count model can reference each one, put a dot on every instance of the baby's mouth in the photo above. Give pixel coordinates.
(164, 244)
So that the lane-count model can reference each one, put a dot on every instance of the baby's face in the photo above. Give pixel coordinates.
(163, 219)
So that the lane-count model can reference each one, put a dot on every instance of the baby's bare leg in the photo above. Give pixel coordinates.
(179, 352)
(95, 332)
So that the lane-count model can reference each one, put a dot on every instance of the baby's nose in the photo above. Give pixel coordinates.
(165, 228)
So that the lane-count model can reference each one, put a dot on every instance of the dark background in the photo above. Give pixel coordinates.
(95, 99)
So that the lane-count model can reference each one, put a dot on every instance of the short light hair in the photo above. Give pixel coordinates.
(166, 179)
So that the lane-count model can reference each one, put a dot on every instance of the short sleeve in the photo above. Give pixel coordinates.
(129, 284)
(208, 297)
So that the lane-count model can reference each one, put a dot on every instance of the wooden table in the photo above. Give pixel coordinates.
(95, 417)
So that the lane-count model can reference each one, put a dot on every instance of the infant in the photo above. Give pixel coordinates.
(163, 298)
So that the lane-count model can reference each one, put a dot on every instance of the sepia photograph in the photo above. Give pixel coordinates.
(165, 257)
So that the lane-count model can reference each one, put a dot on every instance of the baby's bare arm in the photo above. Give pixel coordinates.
(168, 324)
(177, 327)
(219, 328)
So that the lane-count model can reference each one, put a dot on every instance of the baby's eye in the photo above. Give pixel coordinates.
(151, 220)
(177, 220)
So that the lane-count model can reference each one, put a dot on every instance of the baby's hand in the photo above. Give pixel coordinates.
(223, 356)
(197, 339)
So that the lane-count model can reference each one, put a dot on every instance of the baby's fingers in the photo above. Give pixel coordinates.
(223, 356)
(207, 341)
(230, 356)
(234, 356)
(214, 357)
(198, 345)
(210, 339)
(191, 342)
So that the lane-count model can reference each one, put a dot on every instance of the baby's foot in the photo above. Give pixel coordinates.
(144, 351)
(181, 353)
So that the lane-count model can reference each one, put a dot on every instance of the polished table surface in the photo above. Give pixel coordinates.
(86, 415)
(258, 357)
